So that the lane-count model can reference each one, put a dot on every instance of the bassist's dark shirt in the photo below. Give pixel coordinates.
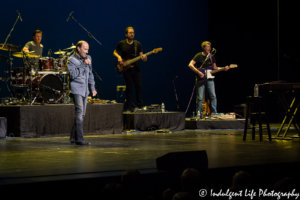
(200, 58)
(128, 52)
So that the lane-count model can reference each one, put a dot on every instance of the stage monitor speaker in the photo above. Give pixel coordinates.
(179, 161)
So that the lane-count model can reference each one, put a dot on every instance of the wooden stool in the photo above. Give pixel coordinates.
(254, 104)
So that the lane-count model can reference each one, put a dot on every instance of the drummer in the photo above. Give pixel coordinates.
(35, 46)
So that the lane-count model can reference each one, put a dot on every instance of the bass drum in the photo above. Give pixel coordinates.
(50, 87)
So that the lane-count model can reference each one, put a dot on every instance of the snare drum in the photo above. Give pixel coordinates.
(47, 64)
(50, 87)
(19, 77)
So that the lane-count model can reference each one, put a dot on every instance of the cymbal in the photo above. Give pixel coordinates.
(12, 47)
(59, 52)
(72, 47)
(20, 54)
(3, 57)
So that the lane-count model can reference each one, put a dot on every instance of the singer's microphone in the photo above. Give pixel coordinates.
(70, 16)
(19, 15)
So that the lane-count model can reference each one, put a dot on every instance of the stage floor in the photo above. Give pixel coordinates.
(54, 156)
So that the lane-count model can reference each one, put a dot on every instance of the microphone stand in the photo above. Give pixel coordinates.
(90, 36)
(99, 78)
(177, 102)
(10, 59)
(205, 77)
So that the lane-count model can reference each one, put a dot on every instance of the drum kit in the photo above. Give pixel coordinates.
(44, 77)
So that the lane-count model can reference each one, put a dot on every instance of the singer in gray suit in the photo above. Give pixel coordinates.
(81, 80)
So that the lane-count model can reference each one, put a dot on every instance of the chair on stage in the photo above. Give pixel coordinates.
(254, 113)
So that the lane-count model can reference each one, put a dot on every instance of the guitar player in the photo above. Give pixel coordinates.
(129, 49)
(207, 61)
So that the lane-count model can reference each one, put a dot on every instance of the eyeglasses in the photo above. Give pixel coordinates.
(131, 32)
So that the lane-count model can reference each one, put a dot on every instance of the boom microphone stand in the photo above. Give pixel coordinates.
(10, 59)
(99, 78)
(90, 36)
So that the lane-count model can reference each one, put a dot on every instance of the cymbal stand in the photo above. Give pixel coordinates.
(10, 59)
(29, 66)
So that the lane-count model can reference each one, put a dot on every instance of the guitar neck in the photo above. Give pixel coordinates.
(223, 68)
(136, 59)
(217, 70)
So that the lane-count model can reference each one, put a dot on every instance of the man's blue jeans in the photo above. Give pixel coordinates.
(80, 108)
(212, 95)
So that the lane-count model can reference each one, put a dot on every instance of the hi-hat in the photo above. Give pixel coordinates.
(71, 47)
(3, 57)
(59, 52)
(29, 54)
(12, 47)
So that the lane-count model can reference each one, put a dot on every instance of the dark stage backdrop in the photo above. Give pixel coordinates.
(245, 33)
(178, 27)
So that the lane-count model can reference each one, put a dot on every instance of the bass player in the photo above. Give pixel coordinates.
(129, 49)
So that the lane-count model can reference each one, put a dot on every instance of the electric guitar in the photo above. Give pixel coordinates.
(211, 71)
(127, 63)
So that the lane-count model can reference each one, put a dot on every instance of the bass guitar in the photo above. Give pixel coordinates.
(210, 71)
(127, 63)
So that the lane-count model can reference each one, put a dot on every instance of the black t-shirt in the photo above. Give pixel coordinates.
(128, 52)
(200, 58)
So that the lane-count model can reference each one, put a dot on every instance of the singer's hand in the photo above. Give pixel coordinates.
(226, 68)
(94, 93)
(87, 61)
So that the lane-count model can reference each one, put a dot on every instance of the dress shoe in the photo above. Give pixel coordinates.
(83, 143)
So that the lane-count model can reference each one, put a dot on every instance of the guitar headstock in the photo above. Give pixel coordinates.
(233, 66)
(157, 50)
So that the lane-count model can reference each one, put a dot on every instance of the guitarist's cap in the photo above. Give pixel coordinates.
(205, 43)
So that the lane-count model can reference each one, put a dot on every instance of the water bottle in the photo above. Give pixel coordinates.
(256, 90)
(163, 107)
(198, 114)
(193, 114)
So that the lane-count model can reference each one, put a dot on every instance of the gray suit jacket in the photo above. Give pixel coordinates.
(81, 76)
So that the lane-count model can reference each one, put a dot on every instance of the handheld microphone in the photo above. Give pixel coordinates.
(19, 15)
(70, 16)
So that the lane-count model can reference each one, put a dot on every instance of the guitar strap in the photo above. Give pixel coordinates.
(135, 48)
